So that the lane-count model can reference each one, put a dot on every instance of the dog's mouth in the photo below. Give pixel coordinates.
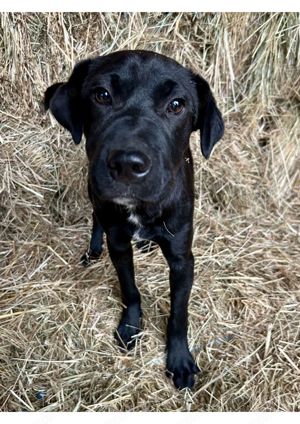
(152, 189)
(130, 196)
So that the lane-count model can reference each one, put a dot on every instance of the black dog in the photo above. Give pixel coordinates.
(137, 110)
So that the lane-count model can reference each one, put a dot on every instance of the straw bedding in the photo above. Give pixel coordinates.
(57, 351)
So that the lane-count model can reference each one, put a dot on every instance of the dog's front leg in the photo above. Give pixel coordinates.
(121, 254)
(96, 243)
(180, 363)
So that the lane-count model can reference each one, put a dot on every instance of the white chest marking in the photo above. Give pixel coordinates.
(136, 220)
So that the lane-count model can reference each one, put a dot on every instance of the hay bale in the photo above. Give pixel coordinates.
(57, 351)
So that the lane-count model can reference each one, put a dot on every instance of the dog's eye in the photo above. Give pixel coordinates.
(102, 96)
(176, 106)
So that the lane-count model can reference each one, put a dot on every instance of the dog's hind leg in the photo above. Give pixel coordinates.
(96, 244)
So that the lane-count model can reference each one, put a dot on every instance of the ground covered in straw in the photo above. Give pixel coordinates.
(57, 319)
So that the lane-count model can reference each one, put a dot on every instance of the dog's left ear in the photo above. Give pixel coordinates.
(209, 119)
(64, 101)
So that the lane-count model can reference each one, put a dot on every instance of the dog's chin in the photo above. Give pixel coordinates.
(125, 201)
(134, 200)
(130, 197)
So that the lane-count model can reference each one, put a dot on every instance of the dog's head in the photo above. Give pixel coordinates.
(137, 110)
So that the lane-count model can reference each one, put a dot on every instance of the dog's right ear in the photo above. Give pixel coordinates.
(65, 102)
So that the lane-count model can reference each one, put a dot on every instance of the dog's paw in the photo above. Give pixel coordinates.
(127, 335)
(181, 369)
(89, 256)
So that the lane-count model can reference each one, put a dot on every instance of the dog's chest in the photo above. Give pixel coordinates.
(140, 231)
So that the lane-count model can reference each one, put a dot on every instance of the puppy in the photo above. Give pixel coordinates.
(137, 110)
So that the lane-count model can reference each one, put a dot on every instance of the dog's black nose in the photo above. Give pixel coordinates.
(128, 166)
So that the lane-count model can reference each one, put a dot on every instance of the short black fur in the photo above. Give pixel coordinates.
(140, 179)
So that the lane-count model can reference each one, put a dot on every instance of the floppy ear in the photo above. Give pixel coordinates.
(64, 101)
(209, 119)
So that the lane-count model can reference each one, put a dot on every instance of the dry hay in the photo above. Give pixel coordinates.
(57, 351)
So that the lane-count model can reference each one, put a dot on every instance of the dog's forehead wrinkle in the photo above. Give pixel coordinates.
(137, 66)
(142, 82)
(133, 62)
(115, 80)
